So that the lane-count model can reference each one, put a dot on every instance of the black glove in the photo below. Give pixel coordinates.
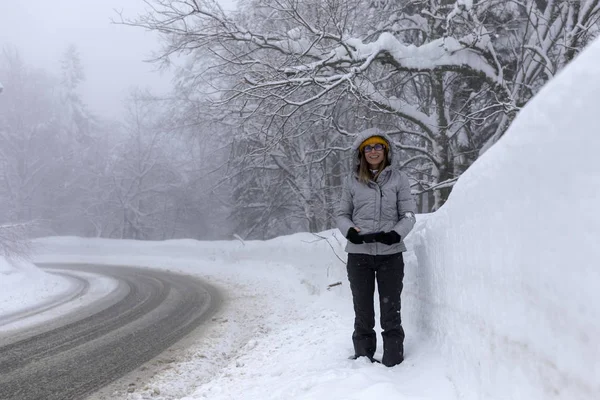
(371, 237)
(354, 237)
(389, 238)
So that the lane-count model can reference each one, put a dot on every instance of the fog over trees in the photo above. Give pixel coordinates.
(254, 138)
(68, 172)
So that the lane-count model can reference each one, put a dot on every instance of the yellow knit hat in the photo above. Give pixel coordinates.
(371, 141)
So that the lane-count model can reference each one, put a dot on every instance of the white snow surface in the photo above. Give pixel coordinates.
(501, 296)
(508, 268)
(22, 285)
(281, 333)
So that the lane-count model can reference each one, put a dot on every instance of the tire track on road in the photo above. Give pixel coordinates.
(73, 360)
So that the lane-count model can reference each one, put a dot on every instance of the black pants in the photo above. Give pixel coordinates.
(388, 270)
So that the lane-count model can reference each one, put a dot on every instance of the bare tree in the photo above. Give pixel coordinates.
(444, 78)
(14, 240)
(284, 177)
(78, 175)
(28, 143)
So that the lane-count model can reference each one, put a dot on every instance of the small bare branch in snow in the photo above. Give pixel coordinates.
(14, 240)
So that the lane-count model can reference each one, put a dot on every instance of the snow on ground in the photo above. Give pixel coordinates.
(501, 289)
(30, 296)
(22, 284)
(281, 334)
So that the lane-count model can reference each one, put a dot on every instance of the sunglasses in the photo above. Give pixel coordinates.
(368, 148)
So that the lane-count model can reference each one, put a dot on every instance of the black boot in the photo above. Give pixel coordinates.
(372, 359)
(365, 344)
(393, 350)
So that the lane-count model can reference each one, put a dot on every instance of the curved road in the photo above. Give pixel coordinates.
(79, 287)
(75, 355)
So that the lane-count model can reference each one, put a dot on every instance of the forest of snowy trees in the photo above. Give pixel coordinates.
(65, 171)
(254, 138)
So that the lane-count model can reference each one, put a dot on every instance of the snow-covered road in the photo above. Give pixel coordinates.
(77, 290)
(96, 340)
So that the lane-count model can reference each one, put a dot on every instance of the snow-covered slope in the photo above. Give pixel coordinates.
(508, 275)
(23, 285)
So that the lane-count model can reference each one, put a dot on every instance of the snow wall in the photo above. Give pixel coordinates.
(508, 274)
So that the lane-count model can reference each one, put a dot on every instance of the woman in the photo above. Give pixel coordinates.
(376, 213)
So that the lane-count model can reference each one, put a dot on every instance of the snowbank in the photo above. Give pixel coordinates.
(508, 276)
(23, 286)
(308, 258)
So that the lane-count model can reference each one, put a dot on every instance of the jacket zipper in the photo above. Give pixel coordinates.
(378, 187)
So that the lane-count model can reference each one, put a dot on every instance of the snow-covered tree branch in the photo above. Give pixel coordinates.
(449, 77)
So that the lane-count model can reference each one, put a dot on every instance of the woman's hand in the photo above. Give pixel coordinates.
(353, 236)
(389, 238)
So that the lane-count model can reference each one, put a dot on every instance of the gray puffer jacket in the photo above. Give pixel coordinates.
(379, 206)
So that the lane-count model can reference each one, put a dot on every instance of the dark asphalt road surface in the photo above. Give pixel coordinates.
(75, 355)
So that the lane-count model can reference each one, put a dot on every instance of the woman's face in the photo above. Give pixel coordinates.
(374, 155)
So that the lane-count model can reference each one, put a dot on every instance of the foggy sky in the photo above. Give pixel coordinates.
(112, 55)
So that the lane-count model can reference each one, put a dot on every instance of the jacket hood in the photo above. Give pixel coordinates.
(364, 135)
